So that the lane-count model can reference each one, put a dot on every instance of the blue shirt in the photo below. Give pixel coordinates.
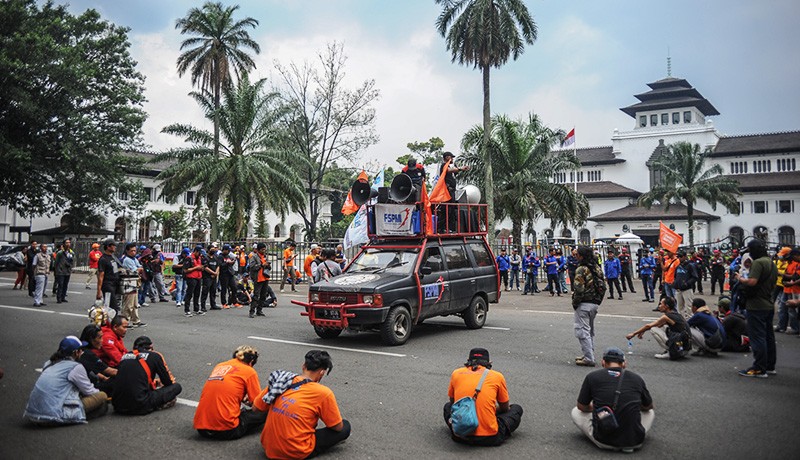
(612, 268)
(707, 324)
(646, 265)
(552, 265)
(503, 263)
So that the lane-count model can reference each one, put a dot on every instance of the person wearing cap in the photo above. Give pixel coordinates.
(144, 383)
(451, 182)
(232, 383)
(415, 171)
(787, 288)
(612, 270)
(686, 275)
(735, 325)
(717, 264)
(209, 279)
(760, 310)
(497, 419)
(94, 258)
(669, 331)
(708, 333)
(295, 404)
(503, 264)
(633, 409)
(625, 264)
(646, 266)
(311, 259)
(288, 266)
(516, 263)
(108, 267)
(226, 260)
(157, 265)
(180, 281)
(63, 393)
(132, 300)
(193, 274)
(260, 269)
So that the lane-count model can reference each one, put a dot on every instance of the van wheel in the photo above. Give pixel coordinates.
(397, 328)
(475, 315)
(327, 332)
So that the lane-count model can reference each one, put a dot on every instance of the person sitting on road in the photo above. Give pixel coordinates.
(144, 382)
(100, 374)
(63, 394)
(295, 404)
(113, 348)
(708, 334)
(232, 383)
(735, 325)
(670, 331)
(626, 394)
(497, 419)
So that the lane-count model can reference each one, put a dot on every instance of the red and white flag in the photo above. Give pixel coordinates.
(570, 139)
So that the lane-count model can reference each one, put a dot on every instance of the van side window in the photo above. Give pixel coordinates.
(481, 254)
(456, 257)
(433, 259)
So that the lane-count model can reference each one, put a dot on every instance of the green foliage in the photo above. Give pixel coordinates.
(173, 224)
(521, 152)
(427, 153)
(685, 179)
(70, 104)
(261, 229)
(336, 230)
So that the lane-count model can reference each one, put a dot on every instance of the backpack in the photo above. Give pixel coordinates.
(678, 345)
(599, 286)
(464, 415)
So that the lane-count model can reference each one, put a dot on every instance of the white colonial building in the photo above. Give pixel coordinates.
(613, 177)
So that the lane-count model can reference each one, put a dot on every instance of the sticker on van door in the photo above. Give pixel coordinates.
(434, 290)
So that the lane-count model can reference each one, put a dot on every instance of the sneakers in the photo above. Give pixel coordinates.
(753, 373)
(145, 305)
(791, 331)
(87, 287)
(139, 324)
(584, 362)
(225, 307)
(772, 372)
(281, 289)
(178, 304)
(778, 329)
(163, 300)
(237, 305)
(260, 313)
(252, 315)
(200, 313)
(168, 404)
(664, 355)
(188, 314)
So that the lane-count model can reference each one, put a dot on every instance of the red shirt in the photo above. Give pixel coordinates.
(196, 262)
(94, 258)
(112, 348)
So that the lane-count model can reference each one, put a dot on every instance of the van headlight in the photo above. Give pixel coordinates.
(313, 296)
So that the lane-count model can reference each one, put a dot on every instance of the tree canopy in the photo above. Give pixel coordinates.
(70, 104)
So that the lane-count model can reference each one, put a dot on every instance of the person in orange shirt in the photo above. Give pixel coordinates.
(497, 419)
(309, 261)
(288, 266)
(231, 383)
(94, 258)
(295, 404)
(670, 264)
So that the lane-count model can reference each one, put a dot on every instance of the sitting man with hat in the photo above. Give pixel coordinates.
(497, 419)
(618, 396)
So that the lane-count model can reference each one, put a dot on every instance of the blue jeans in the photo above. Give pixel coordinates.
(514, 279)
(144, 291)
(180, 288)
(669, 291)
(530, 283)
(647, 284)
(762, 338)
(786, 316)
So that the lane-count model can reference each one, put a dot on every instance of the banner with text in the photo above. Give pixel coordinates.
(393, 219)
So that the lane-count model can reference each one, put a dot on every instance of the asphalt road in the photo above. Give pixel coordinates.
(393, 396)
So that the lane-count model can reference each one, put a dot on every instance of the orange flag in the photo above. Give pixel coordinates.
(668, 239)
(440, 194)
(426, 206)
(349, 207)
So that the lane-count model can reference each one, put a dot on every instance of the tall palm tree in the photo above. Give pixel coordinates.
(685, 179)
(213, 50)
(523, 160)
(485, 33)
(250, 169)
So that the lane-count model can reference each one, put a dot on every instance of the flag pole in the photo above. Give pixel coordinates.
(575, 173)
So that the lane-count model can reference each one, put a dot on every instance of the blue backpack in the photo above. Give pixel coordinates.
(464, 416)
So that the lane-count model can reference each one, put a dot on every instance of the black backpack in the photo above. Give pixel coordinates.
(599, 284)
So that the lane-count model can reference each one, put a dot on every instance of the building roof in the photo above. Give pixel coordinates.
(670, 93)
(66, 230)
(606, 189)
(593, 156)
(757, 144)
(634, 212)
(768, 182)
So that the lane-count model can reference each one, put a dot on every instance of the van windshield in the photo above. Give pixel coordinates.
(396, 261)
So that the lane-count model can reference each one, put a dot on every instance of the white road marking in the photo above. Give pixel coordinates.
(79, 315)
(188, 402)
(497, 328)
(27, 308)
(644, 318)
(456, 324)
(316, 345)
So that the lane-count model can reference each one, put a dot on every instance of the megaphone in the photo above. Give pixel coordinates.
(402, 189)
(361, 192)
(468, 194)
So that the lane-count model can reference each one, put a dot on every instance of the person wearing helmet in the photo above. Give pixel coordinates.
(94, 258)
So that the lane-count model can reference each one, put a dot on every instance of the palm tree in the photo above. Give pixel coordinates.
(250, 169)
(485, 33)
(523, 160)
(684, 179)
(212, 51)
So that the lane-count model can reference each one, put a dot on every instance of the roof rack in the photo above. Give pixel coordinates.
(413, 220)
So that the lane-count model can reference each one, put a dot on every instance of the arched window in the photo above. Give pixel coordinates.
(119, 228)
(786, 236)
(66, 220)
(293, 232)
(278, 231)
(761, 232)
(566, 233)
(144, 229)
(584, 236)
(737, 236)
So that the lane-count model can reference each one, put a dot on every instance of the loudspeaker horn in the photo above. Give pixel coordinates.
(362, 192)
(402, 188)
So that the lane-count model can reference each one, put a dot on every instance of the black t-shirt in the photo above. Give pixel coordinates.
(109, 266)
(450, 178)
(210, 262)
(224, 267)
(599, 388)
(92, 364)
(680, 323)
(417, 174)
(132, 388)
(625, 262)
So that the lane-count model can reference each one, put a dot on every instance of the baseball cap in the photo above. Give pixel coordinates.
(448, 154)
(199, 247)
(156, 247)
(109, 242)
(146, 253)
(652, 250)
(142, 247)
(185, 251)
(226, 247)
(478, 354)
(71, 343)
(724, 302)
(215, 245)
(785, 251)
(95, 245)
(614, 354)
(261, 246)
(314, 246)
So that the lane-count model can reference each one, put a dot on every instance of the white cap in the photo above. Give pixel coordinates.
(314, 246)
(156, 247)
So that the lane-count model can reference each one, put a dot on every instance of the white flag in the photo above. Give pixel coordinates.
(357, 231)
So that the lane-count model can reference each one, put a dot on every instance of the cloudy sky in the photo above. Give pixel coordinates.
(591, 57)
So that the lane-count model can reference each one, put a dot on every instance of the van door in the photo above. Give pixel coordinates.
(462, 279)
(485, 269)
(436, 289)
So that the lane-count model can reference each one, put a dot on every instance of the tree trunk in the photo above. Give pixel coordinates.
(516, 232)
(690, 220)
(487, 157)
(213, 202)
(213, 216)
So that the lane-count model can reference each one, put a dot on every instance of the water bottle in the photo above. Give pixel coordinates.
(630, 347)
